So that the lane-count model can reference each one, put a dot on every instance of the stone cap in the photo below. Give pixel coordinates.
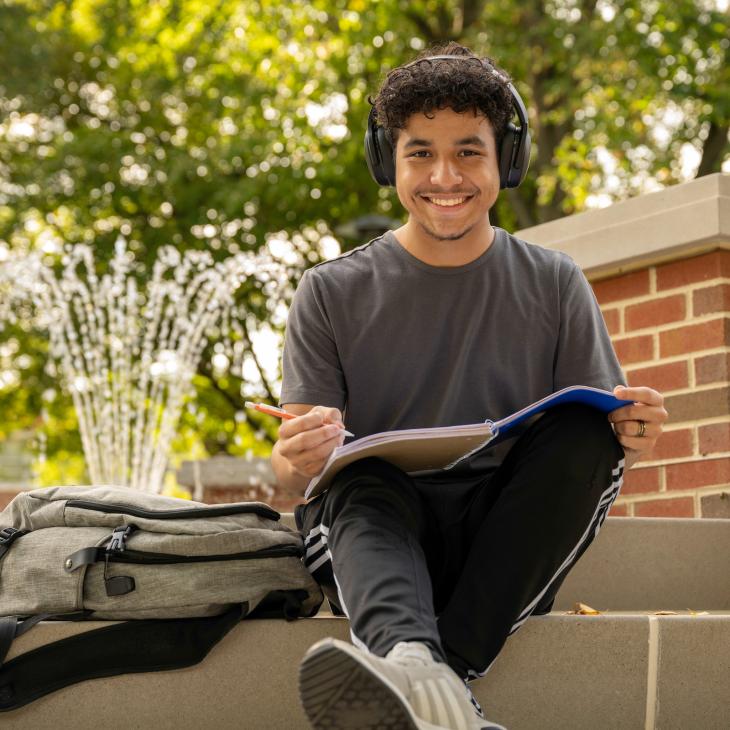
(226, 472)
(677, 222)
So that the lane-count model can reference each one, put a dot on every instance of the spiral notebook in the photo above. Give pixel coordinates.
(416, 450)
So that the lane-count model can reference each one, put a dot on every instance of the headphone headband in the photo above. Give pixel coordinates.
(484, 61)
(514, 152)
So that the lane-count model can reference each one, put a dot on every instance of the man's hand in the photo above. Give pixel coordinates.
(638, 426)
(305, 443)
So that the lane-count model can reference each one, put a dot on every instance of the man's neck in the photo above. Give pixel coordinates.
(445, 253)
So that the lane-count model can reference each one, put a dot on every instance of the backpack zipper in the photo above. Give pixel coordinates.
(89, 556)
(174, 514)
(146, 558)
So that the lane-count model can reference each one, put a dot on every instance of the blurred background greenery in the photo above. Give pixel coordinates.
(235, 125)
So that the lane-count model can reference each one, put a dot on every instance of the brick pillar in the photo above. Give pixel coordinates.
(670, 326)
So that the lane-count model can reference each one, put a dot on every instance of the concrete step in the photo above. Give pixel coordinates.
(627, 671)
(626, 668)
(653, 563)
(650, 563)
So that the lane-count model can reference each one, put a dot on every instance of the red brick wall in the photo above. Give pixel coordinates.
(670, 326)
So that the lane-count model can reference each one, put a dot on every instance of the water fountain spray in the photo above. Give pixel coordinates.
(128, 356)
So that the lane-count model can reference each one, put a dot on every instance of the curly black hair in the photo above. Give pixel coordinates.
(426, 86)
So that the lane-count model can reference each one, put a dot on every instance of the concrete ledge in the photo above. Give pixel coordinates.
(609, 671)
(676, 222)
(653, 563)
(649, 563)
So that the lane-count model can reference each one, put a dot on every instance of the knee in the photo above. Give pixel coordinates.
(374, 487)
(582, 437)
(582, 425)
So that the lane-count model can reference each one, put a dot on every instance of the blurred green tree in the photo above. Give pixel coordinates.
(231, 126)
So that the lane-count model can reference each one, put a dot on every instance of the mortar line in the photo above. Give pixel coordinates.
(652, 673)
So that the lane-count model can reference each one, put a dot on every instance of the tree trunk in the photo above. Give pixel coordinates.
(713, 151)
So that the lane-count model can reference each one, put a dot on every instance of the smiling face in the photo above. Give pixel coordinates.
(447, 178)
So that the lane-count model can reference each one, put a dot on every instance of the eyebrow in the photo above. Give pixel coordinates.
(473, 140)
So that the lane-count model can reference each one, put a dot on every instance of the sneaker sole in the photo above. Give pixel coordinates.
(339, 692)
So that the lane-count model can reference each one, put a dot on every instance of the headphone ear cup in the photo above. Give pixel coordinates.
(523, 157)
(506, 153)
(379, 153)
(387, 157)
(514, 156)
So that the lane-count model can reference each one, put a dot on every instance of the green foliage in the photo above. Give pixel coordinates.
(223, 125)
(66, 467)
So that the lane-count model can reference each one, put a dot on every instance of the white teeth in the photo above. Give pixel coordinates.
(447, 202)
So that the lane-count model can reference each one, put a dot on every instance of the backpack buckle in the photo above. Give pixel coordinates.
(119, 537)
(7, 535)
(118, 585)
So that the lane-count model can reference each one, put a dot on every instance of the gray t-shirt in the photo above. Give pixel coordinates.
(396, 343)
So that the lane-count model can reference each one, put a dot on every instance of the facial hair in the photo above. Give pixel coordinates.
(452, 237)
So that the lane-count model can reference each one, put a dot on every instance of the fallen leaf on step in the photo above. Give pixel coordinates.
(665, 613)
(581, 609)
(698, 613)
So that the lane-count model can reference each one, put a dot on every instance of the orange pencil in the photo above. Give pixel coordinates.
(278, 412)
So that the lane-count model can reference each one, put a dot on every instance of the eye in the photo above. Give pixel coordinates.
(419, 153)
(470, 152)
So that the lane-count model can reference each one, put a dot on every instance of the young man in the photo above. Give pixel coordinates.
(446, 320)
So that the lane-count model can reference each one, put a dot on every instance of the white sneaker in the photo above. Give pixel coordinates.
(479, 712)
(344, 687)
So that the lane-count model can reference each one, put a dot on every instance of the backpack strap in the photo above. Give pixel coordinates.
(11, 627)
(286, 604)
(8, 535)
(8, 626)
(144, 645)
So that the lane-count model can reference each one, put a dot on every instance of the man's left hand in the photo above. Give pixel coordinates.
(638, 426)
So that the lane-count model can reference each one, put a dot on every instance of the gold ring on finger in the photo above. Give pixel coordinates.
(642, 429)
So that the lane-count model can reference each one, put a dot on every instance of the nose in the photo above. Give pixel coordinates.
(445, 172)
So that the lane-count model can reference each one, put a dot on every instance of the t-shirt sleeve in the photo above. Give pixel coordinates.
(311, 368)
(585, 354)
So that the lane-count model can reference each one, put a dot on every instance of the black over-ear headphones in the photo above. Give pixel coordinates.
(514, 152)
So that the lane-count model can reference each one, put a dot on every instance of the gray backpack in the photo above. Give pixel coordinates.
(175, 566)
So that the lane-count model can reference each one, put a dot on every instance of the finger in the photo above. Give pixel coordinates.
(640, 394)
(291, 427)
(632, 429)
(310, 445)
(331, 415)
(310, 463)
(311, 441)
(649, 414)
(314, 418)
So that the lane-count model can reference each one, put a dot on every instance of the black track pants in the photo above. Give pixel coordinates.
(462, 568)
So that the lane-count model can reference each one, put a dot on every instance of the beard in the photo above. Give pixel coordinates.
(448, 237)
